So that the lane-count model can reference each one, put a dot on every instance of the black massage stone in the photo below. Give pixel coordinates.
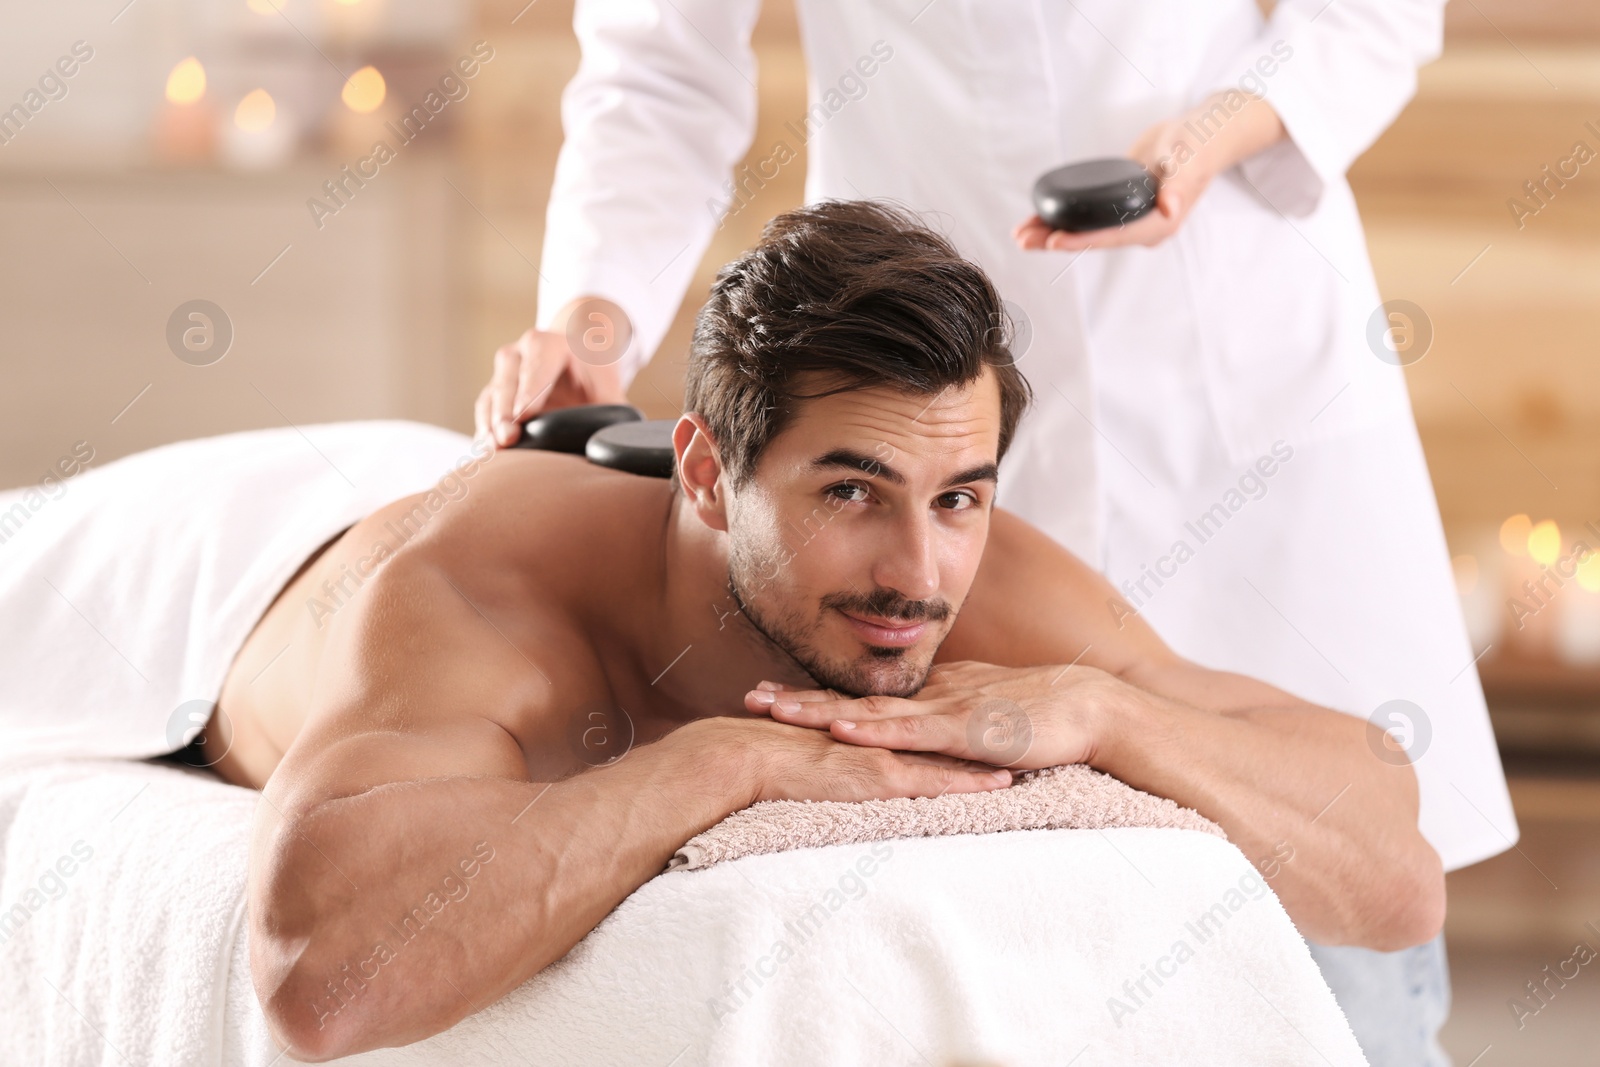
(569, 429)
(1095, 194)
(637, 447)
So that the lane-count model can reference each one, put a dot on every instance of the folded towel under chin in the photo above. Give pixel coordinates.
(1059, 798)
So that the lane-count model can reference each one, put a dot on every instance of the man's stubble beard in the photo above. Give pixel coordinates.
(791, 633)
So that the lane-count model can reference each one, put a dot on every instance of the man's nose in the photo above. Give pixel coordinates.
(907, 563)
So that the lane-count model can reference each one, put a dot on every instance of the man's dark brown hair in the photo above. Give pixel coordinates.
(856, 292)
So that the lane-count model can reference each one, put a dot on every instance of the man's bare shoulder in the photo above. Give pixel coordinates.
(519, 558)
(476, 605)
(522, 504)
(1033, 602)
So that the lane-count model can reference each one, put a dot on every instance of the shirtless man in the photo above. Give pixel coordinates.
(778, 621)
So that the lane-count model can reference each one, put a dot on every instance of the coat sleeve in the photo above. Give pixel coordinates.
(663, 106)
(1337, 73)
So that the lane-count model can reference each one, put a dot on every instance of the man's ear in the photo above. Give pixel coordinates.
(699, 470)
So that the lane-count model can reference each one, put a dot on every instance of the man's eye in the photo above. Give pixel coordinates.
(958, 501)
(848, 491)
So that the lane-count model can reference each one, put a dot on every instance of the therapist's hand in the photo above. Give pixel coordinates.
(545, 369)
(1184, 154)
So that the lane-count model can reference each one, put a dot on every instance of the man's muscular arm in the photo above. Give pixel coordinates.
(1283, 777)
(406, 873)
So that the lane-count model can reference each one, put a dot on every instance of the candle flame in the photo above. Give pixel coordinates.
(187, 82)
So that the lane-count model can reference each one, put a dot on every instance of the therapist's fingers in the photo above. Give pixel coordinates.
(1034, 235)
(1150, 229)
(482, 416)
(524, 374)
(1031, 234)
(502, 395)
(544, 358)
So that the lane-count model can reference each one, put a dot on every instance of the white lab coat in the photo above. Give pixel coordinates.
(1162, 376)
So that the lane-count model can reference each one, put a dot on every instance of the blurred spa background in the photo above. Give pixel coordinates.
(185, 155)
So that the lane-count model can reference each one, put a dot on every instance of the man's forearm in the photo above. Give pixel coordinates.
(382, 918)
(1300, 793)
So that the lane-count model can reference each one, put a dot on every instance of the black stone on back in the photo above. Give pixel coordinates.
(637, 447)
(569, 429)
(611, 435)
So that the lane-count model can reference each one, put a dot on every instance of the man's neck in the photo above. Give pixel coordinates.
(707, 653)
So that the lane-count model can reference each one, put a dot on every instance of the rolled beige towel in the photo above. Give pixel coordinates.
(1073, 797)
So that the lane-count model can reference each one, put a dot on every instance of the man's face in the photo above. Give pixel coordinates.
(856, 539)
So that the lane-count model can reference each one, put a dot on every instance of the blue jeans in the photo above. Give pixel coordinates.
(1395, 1001)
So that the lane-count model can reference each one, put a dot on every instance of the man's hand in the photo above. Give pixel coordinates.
(1023, 718)
(790, 763)
(547, 369)
(1184, 154)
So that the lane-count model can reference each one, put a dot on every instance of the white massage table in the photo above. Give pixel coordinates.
(1004, 949)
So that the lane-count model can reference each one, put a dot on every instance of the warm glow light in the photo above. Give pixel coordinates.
(187, 82)
(1514, 534)
(1544, 542)
(255, 112)
(1466, 571)
(364, 91)
(347, 3)
(265, 7)
(1589, 573)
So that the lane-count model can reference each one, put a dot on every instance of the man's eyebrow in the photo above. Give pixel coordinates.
(988, 472)
(872, 467)
(860, 462)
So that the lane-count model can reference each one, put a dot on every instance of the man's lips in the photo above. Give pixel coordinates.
(886, 632)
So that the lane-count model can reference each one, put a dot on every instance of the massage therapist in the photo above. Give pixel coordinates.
(1221, 422)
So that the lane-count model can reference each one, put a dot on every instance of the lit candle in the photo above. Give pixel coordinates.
(186, 124)
(260, 135)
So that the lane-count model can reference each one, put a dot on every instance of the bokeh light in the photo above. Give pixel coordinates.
(1544, 542)
(256, 111)
(1514, 534)
(364, 91)
(187, 82)
(1589, 573)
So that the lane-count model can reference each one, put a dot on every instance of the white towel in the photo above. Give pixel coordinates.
(128, 594)
(1022, 948)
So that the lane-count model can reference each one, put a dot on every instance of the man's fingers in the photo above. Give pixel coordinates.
(934, 781)
(908, 733)
(829, 706)
(768, 693)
